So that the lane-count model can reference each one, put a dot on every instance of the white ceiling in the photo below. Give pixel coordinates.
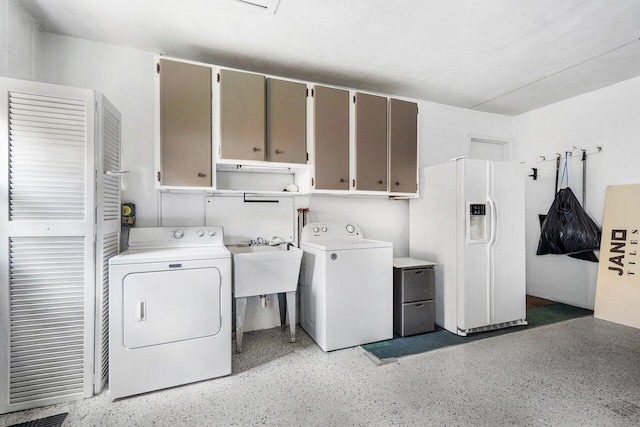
(501, 56)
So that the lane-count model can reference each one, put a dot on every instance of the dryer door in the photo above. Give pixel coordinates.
(165, 306)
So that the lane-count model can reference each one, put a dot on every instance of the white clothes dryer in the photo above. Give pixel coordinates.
(346, 286)
(169, 309)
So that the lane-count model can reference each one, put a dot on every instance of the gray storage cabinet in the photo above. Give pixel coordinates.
(413, 296)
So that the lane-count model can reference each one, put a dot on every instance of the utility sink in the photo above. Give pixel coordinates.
(262, 270)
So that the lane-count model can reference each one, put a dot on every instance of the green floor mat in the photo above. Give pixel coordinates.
(536, 316)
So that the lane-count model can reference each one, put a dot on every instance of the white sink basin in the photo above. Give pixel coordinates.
(262, 270)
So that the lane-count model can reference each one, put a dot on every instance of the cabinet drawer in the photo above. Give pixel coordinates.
(416, 318)
(417, 284)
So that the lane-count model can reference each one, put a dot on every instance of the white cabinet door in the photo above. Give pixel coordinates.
(108, 172)
(47, 265)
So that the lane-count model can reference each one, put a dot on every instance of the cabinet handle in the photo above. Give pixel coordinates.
(397, 183)
(257, 149)
(279, 151)
(341, 179)
(380, 182)
(202, 175)
(419, 273)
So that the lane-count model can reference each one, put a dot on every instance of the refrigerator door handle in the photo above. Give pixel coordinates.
(493, 222)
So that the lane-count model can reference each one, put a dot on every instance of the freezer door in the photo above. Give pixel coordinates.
(507, 244)
(473, 251)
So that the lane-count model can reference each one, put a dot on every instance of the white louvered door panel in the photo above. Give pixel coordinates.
(47, 318)
(47, 259)
(109, 248)
(108, 228)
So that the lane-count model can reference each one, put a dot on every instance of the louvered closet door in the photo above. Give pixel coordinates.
(108, 227)
(46, 251)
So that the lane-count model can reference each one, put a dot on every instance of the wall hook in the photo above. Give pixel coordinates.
(534, 175)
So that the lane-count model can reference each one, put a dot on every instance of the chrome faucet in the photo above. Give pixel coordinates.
(276, 240)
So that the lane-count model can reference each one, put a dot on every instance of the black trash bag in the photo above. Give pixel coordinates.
(568, 229)
(585, 256)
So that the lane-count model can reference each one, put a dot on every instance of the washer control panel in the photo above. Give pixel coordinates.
(145, 237)
(331, 231)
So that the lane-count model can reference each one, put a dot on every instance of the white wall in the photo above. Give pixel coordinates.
(607, 117)
(125, 76)
(445, 130)
(19, 37)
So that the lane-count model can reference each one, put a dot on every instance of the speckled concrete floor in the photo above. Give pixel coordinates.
(580, 372)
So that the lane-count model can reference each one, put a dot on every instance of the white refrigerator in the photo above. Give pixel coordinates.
(470, 220)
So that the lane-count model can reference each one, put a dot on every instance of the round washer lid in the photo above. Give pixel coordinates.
(346, 244)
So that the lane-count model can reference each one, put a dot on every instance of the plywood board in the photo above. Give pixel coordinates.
(618, 288)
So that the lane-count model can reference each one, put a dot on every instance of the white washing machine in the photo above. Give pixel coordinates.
(169, 309)
(346, 286)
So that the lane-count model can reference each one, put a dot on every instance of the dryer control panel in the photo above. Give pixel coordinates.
(331, 231)
(171, 237)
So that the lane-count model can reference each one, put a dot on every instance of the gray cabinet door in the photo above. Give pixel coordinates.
(371, 142)
(242, 115)
(403, 146)
(331, 138)
(185, 124)
(286, 121)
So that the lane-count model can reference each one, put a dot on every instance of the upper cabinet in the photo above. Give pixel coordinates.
(331, 138)
(403, 146)
(185, 124)
(370, 142)
(262, 119)
(286, 121)
(242, 115)
(217, 126)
